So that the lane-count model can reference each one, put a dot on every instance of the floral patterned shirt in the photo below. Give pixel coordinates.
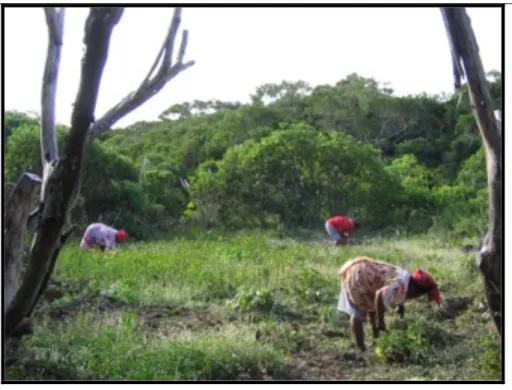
(99, 234)
(363, 277)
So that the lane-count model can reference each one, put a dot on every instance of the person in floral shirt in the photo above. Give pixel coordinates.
(102, 236)
(372, 286)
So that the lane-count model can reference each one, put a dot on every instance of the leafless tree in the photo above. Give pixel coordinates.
(60, 185)
(468, 64)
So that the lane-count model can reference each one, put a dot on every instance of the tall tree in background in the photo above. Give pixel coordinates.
(60, 185)
(467, 63)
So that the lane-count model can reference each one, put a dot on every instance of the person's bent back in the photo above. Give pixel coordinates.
(340, 228)
(99, 235)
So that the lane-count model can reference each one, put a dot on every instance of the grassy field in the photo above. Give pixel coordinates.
(252, 305)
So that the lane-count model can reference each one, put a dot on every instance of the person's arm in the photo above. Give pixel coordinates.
(380, 309)
(345, 235)
(111, 245)
(102, 244)
(373, 323)
(112, 241)
(108, 243)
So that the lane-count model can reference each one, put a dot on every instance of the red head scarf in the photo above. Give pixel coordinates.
(121, 235)
(425, 280)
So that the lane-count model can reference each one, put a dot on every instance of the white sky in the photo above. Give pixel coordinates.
(406, 47)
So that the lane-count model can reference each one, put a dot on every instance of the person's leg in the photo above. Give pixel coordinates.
(356, 325)
(357, 318)
(333, 233)
(401, 311)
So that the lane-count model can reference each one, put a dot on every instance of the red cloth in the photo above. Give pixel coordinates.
(435, 295)
(121, 235)
(424, 279)
(343, 225)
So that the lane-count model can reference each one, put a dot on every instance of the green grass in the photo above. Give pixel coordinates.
(249, 305)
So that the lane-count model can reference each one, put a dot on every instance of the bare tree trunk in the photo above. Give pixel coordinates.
(61, 181)
(16, 216)
(466, 60)
(62, 176)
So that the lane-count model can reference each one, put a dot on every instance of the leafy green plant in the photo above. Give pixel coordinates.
(411, 345)
(251, 299)
(489, 356)
(178, 289)
(310, 286)
(283, 337)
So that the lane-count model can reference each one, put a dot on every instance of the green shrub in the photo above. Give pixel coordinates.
(310, 286)
(247, 300)
(412, 345)
(489, 356)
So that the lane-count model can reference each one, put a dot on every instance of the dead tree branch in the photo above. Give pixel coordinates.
(61, 183)
(466, 58)
(152, 84)
(55, 23)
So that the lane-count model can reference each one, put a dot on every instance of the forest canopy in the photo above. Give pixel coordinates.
(291, 157)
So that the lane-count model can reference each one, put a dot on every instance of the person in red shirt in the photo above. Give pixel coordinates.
(340, 228)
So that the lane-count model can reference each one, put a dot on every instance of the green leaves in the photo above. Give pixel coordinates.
(296, 173)
(292, 156)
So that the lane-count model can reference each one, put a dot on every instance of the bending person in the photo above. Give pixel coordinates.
(99, 235)
(372, 286)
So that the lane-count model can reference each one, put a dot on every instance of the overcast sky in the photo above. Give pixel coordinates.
(406, 47)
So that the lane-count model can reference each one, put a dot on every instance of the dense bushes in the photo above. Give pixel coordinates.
(464, 204)
(291, 157)
(297, 176)
(110, 191)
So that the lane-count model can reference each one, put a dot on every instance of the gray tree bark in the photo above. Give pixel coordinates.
(60, 185)
(467, 63)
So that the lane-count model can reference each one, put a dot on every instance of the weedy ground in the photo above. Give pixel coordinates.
(251, 305)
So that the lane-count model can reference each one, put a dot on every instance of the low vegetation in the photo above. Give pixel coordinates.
(251, 305)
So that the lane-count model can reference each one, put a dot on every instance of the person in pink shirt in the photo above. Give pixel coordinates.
(102, 236)
(340, 228)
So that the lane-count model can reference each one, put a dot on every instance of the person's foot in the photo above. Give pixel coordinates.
(351, 356)
(362, 348)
